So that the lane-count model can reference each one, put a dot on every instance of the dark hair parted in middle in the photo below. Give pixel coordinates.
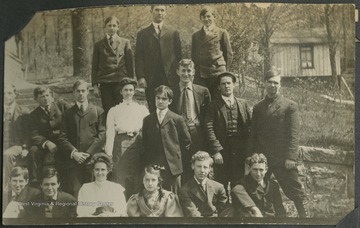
(164, 90)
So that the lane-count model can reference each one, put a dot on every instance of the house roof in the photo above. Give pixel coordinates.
(310, 35)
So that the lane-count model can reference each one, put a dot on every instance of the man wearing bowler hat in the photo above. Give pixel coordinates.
(275, 133)
(227, 122)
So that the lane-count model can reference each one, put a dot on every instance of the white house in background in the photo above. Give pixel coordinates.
(302, 53)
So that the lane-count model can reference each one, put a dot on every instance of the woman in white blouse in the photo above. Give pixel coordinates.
(101, 198)
(123, 138)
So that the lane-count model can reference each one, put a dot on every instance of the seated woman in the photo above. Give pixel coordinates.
(152, 200)
(123, 141)
(101, 198)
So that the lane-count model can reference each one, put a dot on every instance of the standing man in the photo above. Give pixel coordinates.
(227, 122)
(51, 202)
(166, 139)
(82, 135)
(158, 50)
(190, 101)
(210, 50)
(15, 134)
(44, 126)
(275, 133)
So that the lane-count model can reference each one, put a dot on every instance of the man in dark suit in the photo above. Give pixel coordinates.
(51, 202)
(44, 126)
(15, 134)
(200, 196)
(210, 50)
(82, 135)
(112, 61)
(158, 50)
(275, 133)
(19, 195)
(166, 139)
(227, 122)
(190, 101)
(255, 195)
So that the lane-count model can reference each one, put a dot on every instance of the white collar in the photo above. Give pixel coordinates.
(202, 183)
(13, 193)
(182, 86)
(113, 36)
(85, 104)
(164, 111)
(231, 98)
(210, 28)
(156, 25)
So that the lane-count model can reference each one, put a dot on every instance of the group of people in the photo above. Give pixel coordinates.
(125, 159)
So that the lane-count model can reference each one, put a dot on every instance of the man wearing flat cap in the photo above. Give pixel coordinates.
(227, 122)
(275, 133)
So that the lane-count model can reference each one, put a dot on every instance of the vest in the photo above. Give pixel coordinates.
(232, 119)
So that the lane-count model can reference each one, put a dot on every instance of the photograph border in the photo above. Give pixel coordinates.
(15, 14)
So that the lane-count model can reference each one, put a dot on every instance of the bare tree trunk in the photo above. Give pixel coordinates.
(331, 42)
(57, 36)
(45, 35)
(81, 43)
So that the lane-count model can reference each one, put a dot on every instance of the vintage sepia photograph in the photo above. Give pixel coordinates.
(233, 113)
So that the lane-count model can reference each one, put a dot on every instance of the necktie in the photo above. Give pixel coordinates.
(229, 103)
(7, 114)
(186, 103)
(111, 41)
(82, 109)
(161, 116)
(159, 30)
(203, 188)
(47, 110)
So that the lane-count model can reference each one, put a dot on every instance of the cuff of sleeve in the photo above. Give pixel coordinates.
(44, 144)
(72, 153)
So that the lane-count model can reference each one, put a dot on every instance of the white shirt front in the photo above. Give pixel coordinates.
(229, 100)
(161, 114)
(85, 104)
(123, 118)
(157, 25)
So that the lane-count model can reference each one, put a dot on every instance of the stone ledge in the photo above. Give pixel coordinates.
(315, 154)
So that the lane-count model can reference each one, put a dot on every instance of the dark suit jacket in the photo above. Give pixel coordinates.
(275, 130)
(175, 140)
(211, 53)
(64, 207)
(248, 193)
(111, 65)
(147, 46)
(45, 127)
(17, 133)
(25, 195)
(202, 98)
(196, 204)
(82, 131)
(216, 123)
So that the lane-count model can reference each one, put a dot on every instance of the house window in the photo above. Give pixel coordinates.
(307, 56)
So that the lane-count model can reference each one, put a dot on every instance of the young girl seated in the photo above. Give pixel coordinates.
(152, 200)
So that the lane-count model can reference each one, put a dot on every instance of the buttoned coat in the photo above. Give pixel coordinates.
(248, 193)
(45, 126)
(217, 123)
(82, 131)
(202, 99)
(64, 207)
(149, 45)
(174, 142)
(275, 130)
(111, 64)
(195, 203)
(211, 53)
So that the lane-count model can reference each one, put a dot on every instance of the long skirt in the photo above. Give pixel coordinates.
(127, 166)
